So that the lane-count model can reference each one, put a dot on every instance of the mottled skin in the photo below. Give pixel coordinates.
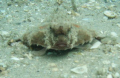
(58, 37)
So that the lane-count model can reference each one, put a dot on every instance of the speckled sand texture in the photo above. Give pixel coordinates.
(18, 61)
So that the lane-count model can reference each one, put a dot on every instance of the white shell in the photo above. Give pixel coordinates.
(114, 34)
(109, 76)
(110, 14)
(96, 45)
(80, 70)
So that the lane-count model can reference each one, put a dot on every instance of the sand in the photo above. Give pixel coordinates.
(18, 61)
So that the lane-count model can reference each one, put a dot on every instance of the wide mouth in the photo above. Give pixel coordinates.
(61, 45)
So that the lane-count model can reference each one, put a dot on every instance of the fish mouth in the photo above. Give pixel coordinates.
(61, 45)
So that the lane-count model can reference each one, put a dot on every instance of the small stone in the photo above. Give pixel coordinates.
(2, 11)
(109, 76)
(101, 71)
(16, 59)
(29, 56)
(117, 75)
(5, 33)
(113, 34)
(110, 69)
(3, 65)
(106, 62)
(55, 69)
(98, 7)
(96, 45)
(76, 61)
(110, 14)
(69, 12)
(3, 69)
(114, 66)
(118, 24)
(80, 70)
(52, 64)
(117, 45)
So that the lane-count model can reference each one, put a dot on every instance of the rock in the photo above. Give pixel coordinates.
(114, 66)
(55, 69)
(106, 62)
(80, 69)
(117, 75)
(110, 14)
(16, 58)
(52, 64)
(113, 34)
(3, 65)
(5, 33)
(101, 71)
(96, 45)
(109, 76)
(3, 68)
(118, 24)
(76, 61)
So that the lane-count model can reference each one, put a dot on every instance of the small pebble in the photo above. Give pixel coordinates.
(96, 45)
(76, 61)
(16, 59)
(109, 76)
(55, 69)
(106, 62)
(2, 70)
(114, 66)
(5, 33)
(3, 65)
(117, 75)
(52, 64)
(2, 11)
(110, 69)
(101, 71)
(80, 70)
(118, 24)
(114, 34)
(110, 14)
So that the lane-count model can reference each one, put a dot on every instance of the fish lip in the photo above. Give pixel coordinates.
(61, 46)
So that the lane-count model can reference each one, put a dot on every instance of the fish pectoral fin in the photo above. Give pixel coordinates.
(43, 51)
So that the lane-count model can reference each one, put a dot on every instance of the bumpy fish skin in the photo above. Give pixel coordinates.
(59, 31)
(58, 36)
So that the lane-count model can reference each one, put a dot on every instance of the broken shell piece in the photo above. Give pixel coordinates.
(110, 14)
(96, 45)
(114, 34)
(16, 59)
(5, 33)
(109, 76)
(80, 70)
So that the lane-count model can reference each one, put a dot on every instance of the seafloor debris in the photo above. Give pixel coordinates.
(96, 45)
(110, 14)
(3, 69)
(80, 70)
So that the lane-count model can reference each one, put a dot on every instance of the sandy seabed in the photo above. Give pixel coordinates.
(17, 61)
